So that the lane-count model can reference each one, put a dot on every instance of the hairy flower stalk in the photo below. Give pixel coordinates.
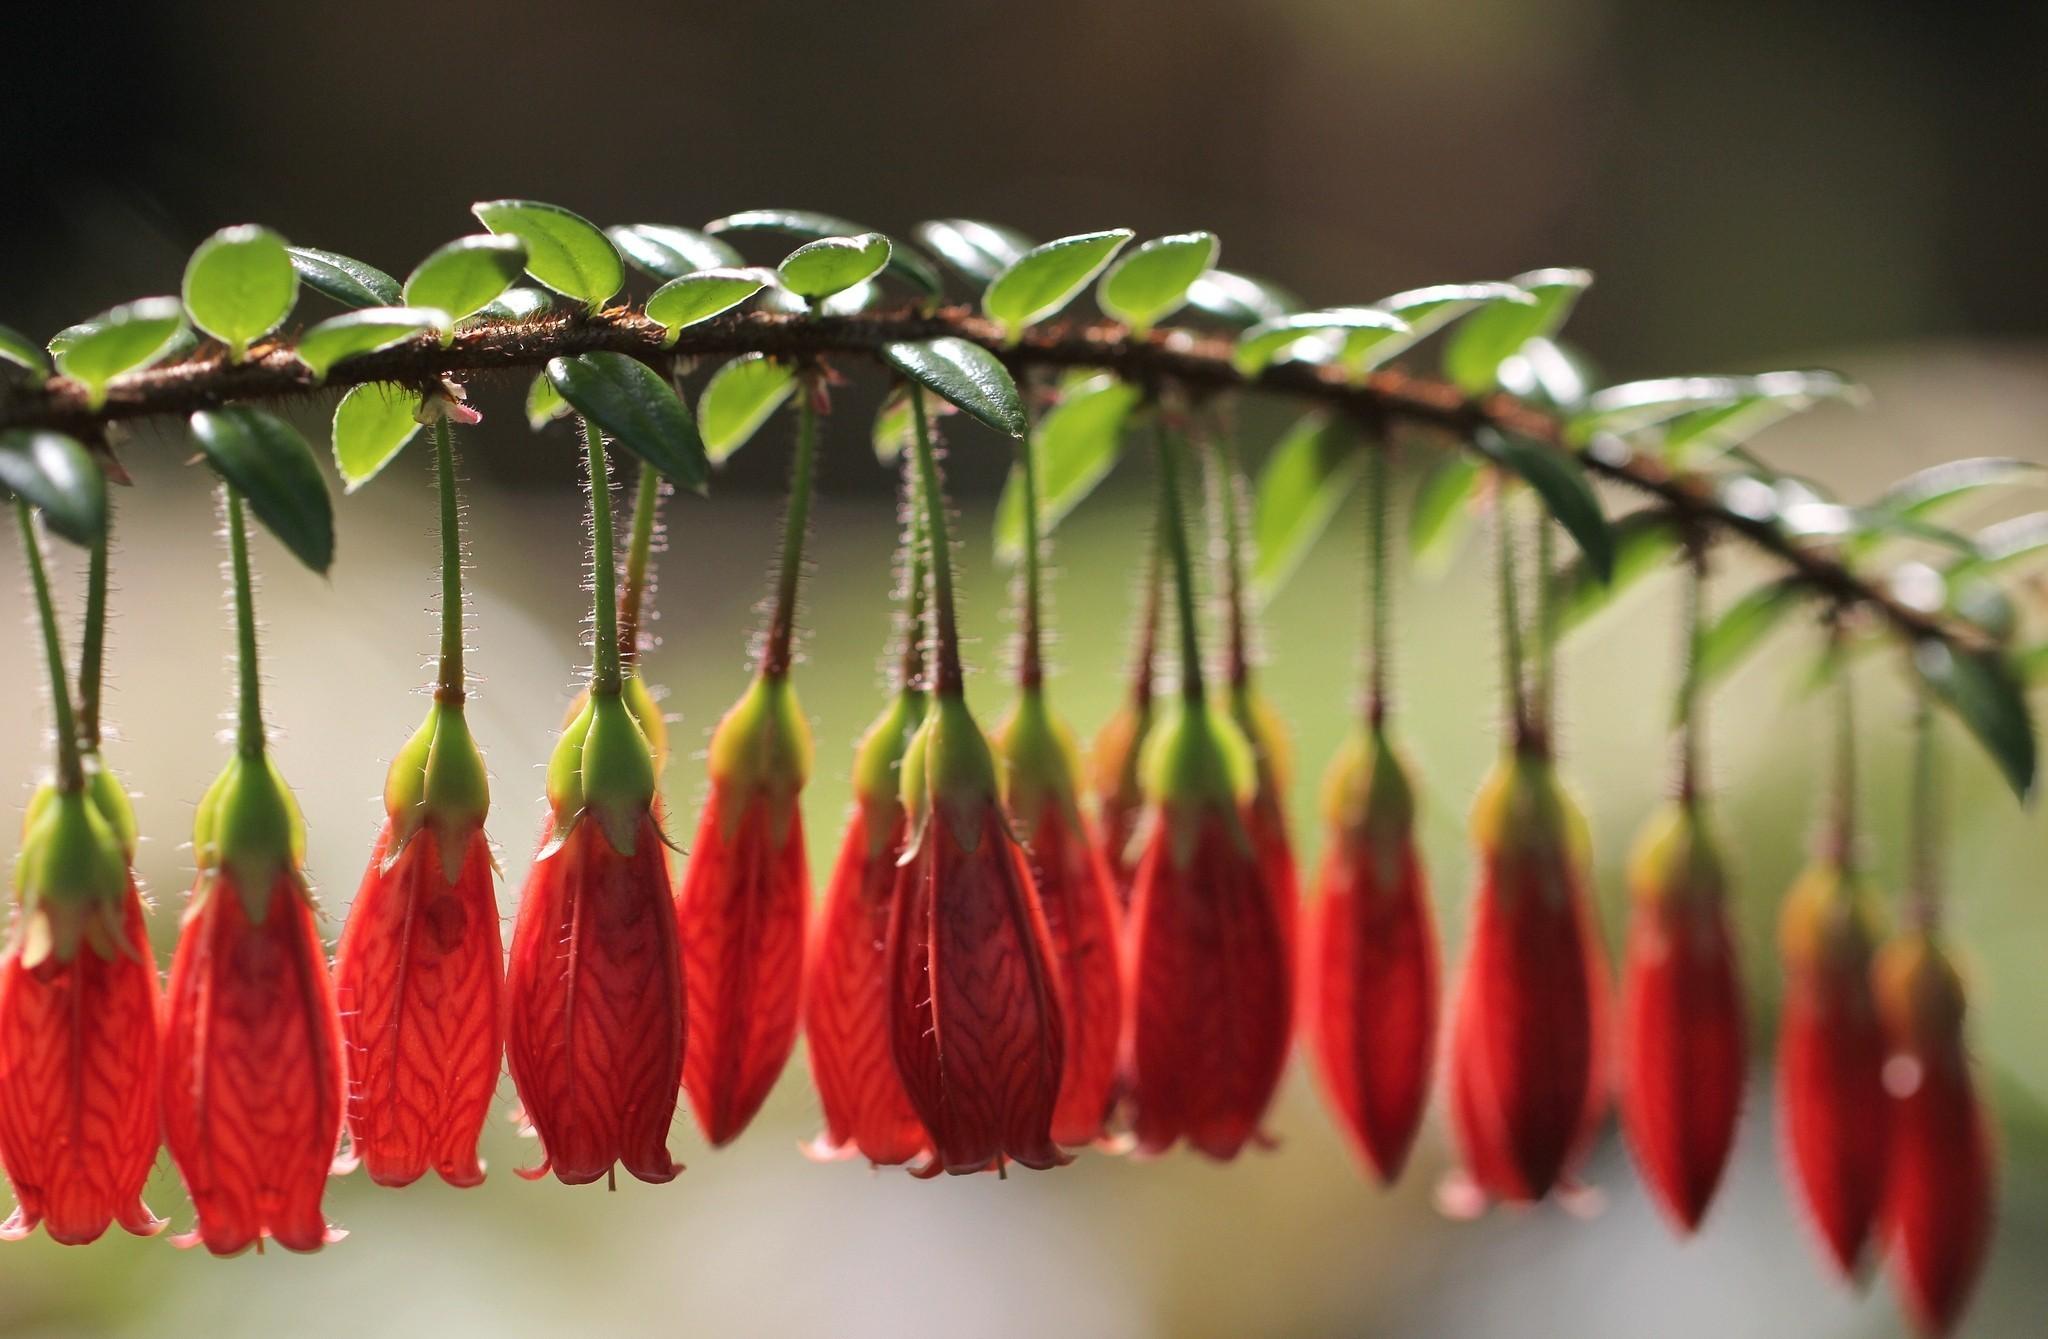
(740, 904)
(976, 1018)
(593, 985)
(1371, 960)
(1115, 757)
(252, 1075)
(78, 986)
(1209, 976)
(419, 971)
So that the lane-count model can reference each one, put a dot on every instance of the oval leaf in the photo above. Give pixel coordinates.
(1497, 331)
(372, 424)
(699, 296)
(1359, 327)
(1305, 480)
(1986, 694)
(263, 458)
(1046, 278)
(1239, 299)
(978, 251)
(20, 350)
(544, 404)
(965, 375)
(1152, 282)
(830, 265)
(56, 475)
(515, 304)
(1073, 449)
(463, 276)
(239, 285)
(738, 399)
(344, 279)
(128, 338)
(670, 253)
(1561, 484)
(630, 401)
(904, 263)
(361, 332)
(565, 251)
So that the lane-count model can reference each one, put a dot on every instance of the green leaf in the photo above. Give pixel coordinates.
(905, 263)
(263, 458)
(1743, 626)
(965, 375)
(703, 294)
(126, 339)
(360, 332)
(466, 274)
(372, 424)
(239, 285)
(1238, 299)
(670, 253)
(1920, 496)
(1151, 283)
(20, 350)
(2012, 541)
(1561, 483)
(1428, 310)
(630, 402)
(895, 426)
(1495, 333)
(1305, 480)
(1703, 417)
(344, 279)
(564, 251)
(1443, 508)
(544, 404)
(1046, 278)
(978, 251)
(516, 304)
(2032, 664)
(738, 399)
(847, 302)
(1984, 690)
(1073, 449)
(56, 475)
(1361, 328)
(833, 264)
(1548, 375)
(1644, 542)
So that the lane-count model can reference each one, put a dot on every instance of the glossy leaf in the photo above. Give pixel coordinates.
(56, 475)
(1644, 542)
(1548, 375)
(344, 279)
(372, 424)
(518, 303)
(1046, 278)
(904, 263)
(1305, 480)
(265, 460)
(637, 408)
(1702, 417)
(703, 294)
(1490, 336)
(1362, 327)
(850, 302)
(2013, 541)
(831, 265)
(1443, 507)
(564, 251)
(1561, 483)
(360, 332)
(128, 338)
(544, 404)
(965, 375)
(1743, 626)
(1917, 498)
(740, 397)
(670, 253)
(1238, 299)
(466, 274)
(20, 350)
(1074, 447)
(240, 285)
(1151, 283)
(977, 251)
(1428, 310)
(1986, 694)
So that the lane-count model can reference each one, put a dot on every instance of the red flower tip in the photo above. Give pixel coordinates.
(975, 1014)
(1831, 1049)
(1210, 978)
(1527, 1085)
(1683, 1035)
(1937, 1210)
(1372, 959)
(594, 1004)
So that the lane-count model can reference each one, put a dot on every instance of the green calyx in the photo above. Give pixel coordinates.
(249, 827)
(878, 761)
(603, 765)
(1041, 765)
(438, 781)
(70, 876)
(1526, 825)
(1265, 735)
(1367, 796)
(763, 749)
(949, 771)
(1198, 765)
(1676, 862)
(111, 798)
(647, 714)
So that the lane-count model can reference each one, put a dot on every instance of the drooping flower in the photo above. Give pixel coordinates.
(1831, 1052)
(419, 971)
(1265, 818)
(1372, 956)
(1937, 1210)
(1683, 1036)
(740, 909)
(1528, 1086)
(1117, 779)
(846, 973)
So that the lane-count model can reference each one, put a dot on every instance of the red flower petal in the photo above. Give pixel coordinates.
(78, 1086)
(418, 977)
(740, 917)
(1080, 915)
(1210, 981)
(594, 1006)
(252, 1069)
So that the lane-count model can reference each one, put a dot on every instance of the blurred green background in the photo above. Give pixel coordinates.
(1756, 186)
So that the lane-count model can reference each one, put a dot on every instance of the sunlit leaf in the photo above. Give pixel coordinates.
(466, 274)
(372, 424)
(128, 338)
(1443, 507)
(670, 253)
(56, 475)
(1548, 375)
(1074, 447)
(1560, 481)
(239, 285)
(1046, 278)
(833, 264)
(635, 407)
(687, 299)
(739, 398)
(1490, 336)
(1150, 283)
(1238, 299)
(1907, 505)
(977, 251)
(1428, 310)
(265, 460)
(1305, 480)
(1702, 417)
(904, 263)
(360, 332)
(544, 404)
(1361, 327)
(965, 375)
(564, 251)
(847, 302)
(521, 302)
(20, 350)
(343, 279)
(1985, 692)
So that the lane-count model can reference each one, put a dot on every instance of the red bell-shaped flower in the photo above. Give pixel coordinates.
(1937, 1208)
(975, 1016)
(593, 983)
(1118, 780)
(420, 968)
(1683, 1036)
(1831, 1047)
(1372, 957)
(1265, 818)
(740, 910)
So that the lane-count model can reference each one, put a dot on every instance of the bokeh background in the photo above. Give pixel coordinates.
(1852, 185)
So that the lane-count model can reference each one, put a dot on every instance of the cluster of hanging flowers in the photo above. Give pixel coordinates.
(1014, 958)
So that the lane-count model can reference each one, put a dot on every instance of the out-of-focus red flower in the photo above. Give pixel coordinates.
(740, 910)
(1937, 1209)
(1210, 979)
(1265, 817)
(1528, 1087)
(593, 984)
(1831, 1060)
(1683, 1036)
(420, 968)
(846, 978)
(1118, 782)
(1372, 957)
(975, 1017)
(78, 1025)
(252, 1069)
